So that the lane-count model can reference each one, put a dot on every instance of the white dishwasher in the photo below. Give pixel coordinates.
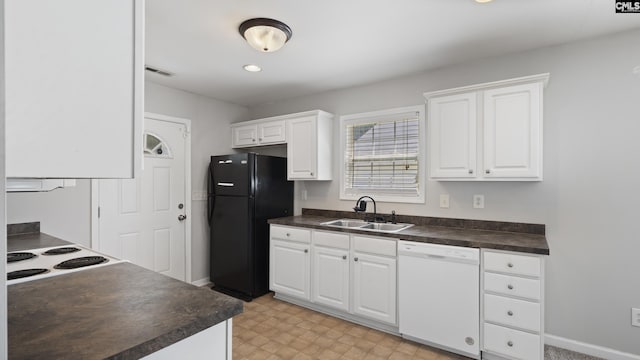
(439, 296)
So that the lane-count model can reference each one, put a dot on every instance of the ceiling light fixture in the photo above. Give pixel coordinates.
(252, 68)
(483, 1)
(266, 35)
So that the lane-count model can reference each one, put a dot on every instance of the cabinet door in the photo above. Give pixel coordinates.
(452, 136)
(513, 132)
(74, 88)
(289, 268)
(244, 136)
(272, 132)
(374, 287)
(331, 277)
(302, 150)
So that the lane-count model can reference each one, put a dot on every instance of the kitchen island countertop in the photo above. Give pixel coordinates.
(119, 311)
(534, 243)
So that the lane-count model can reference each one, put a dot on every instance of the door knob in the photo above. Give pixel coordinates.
(182, 217)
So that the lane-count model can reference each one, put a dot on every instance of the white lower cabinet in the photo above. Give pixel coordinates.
(512, 344)
(350, 273)
(331, 270)
(374, 278)
(289, 262)
(214, 343)
(513, 305)
(374, 287)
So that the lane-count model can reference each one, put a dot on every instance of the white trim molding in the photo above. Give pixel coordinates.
(544, 78)
(588, 349)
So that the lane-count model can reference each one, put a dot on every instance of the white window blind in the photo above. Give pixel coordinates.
(382, 155)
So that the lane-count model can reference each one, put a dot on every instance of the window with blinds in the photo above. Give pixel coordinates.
(382, 154)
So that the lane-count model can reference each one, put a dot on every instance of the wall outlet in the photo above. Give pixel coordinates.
(478, 201)
(635, 317)
(304, 194)
(444, 201)
(198, 195)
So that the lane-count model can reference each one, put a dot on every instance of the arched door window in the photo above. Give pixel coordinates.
(154, 146)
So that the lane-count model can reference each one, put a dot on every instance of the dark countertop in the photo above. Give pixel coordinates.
(119, 311)
(36, 240)
(488, 239)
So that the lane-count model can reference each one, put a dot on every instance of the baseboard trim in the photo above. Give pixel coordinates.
(201, 282)
(588, 349)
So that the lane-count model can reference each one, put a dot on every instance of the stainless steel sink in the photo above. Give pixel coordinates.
(361, 225)
(386, 227)
(345, 223)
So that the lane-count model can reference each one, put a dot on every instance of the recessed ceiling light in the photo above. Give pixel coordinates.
(483, 1)
(252, 68)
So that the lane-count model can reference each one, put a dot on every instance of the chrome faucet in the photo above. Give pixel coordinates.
(361, 206)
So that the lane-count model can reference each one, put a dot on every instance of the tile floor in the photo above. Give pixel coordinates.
(272, 329)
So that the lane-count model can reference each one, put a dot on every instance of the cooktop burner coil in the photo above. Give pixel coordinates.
(19, 256)
(81, 262)
(61, 251)
(25, 273)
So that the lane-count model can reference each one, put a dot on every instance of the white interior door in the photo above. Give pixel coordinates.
(143, 220)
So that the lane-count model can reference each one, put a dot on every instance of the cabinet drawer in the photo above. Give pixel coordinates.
(507, 311)
(374, 245)
(291, 234)
(331, 239)
(512, 263)
(513, 343)
(512, 285)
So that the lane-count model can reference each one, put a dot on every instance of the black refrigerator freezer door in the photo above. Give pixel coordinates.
(232, 175)
(232, 243)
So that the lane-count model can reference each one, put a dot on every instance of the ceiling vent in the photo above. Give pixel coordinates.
(158, 71)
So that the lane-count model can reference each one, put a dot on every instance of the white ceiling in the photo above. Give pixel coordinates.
(343, 43)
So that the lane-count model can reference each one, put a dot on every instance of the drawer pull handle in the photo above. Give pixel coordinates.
(510, 313)
(344, 257)
(510, 265)
(288, 234)
(306, 251)
(355, 259)
(510, 343)
(510, 287)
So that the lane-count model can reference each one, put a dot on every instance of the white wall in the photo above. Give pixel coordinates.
(210, 135)
(589, 197)
(64, 213)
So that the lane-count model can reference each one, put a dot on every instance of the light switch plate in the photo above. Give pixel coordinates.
(444, 201)
(635, 317)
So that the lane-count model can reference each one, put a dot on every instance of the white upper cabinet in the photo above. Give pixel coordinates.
(308, 136)
(74, 88)
(513, 132)
(258, 133)
(309, 146)
(244, 136)
(487, 132)
(452, 125)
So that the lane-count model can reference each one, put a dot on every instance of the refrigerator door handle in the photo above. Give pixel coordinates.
(210, 205)
(210, 187)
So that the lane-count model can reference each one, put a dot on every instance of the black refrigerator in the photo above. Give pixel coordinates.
(244, 191)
